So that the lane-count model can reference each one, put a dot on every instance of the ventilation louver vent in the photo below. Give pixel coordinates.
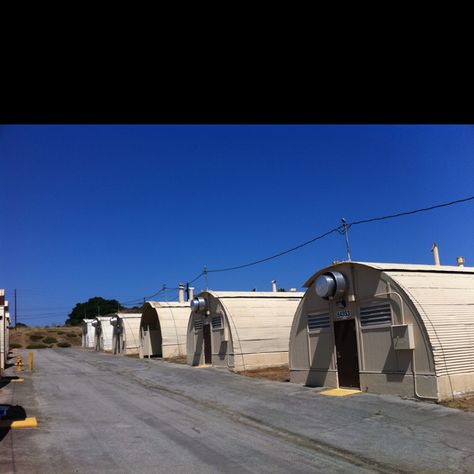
(197, 324)
(318, 321)
(216, 322)
(377, 315)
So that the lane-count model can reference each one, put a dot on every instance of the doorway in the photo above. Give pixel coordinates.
(346, 352)
(207, 344)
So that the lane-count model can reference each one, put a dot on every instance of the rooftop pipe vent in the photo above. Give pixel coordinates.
(198, 304)
(330, 285)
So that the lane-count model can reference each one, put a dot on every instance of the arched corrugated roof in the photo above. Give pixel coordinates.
(405, 267)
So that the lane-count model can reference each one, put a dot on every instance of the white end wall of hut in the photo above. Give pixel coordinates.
(105, 334)
(129, 339)
(88, 334)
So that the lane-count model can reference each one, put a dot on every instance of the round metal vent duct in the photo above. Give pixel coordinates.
(198, 304)
(94, 323)
(330, 285)
(113, 320)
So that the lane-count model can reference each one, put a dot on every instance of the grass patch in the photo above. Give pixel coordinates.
(15, 346)
(60, 333)
(37, 345)
(63, 344)
(35, 337)
(177, 360)
(278, 374)
(50, 340)
(71, 334)
(466, 403)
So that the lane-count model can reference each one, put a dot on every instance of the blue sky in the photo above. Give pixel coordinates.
(117, 211)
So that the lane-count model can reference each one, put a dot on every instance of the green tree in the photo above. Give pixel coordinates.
(91, 308)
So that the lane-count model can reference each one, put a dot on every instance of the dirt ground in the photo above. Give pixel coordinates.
(278, 374)
(37, 335)
(466, 404)
(177, 360)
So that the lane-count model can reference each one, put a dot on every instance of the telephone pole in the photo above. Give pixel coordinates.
(345, 229)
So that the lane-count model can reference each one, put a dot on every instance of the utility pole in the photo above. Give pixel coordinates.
(15, 309)
(345, 229)
(205, 276)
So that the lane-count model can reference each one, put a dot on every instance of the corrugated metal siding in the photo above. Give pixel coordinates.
(446, 305)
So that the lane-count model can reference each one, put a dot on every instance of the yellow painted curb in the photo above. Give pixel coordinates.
(339, 392)
(202, 366)
(26, 423)
(17, 380)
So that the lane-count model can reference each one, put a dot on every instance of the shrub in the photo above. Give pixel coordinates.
(61, 333)
(37, 345)
(50, 340)
(15, 346)
(64, 344)
(35, 337)
(71, 334)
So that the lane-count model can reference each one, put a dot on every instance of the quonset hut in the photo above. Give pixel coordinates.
(387, 328)
(241, 330)
(88, 334)
(103, 333)
(126, 333)
(4, 331)
(163, 329)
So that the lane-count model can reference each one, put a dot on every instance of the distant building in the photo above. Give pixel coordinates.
(241, 330)
(163, 329)
(88, 334)
(103, 333)
(4, 331)
(126, 333)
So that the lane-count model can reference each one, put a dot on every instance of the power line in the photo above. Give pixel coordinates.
(423, 209)
(340, 229)
(276, 255)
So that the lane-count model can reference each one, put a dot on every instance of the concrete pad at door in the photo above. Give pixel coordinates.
(339, 392)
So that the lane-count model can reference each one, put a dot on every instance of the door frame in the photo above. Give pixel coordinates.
(357, 347)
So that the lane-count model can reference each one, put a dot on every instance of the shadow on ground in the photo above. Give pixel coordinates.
(9, 413)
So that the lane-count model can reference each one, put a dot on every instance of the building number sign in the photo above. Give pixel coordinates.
(343, 314)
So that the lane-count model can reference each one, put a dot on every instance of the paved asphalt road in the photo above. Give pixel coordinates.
(102, 413)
